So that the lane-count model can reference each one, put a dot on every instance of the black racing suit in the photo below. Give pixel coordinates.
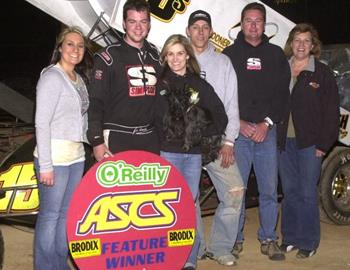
(122, 95)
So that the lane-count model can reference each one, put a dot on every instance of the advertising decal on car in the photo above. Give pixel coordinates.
(21, 190)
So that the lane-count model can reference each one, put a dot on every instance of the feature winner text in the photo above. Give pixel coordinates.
(139, 252)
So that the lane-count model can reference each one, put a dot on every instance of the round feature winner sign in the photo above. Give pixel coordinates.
(131, 211)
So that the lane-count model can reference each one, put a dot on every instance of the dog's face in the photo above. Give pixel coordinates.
(184, 120)
(178, 102)
(173, 120)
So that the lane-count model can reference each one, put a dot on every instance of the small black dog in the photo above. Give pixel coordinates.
(210, 147)
(185, 121)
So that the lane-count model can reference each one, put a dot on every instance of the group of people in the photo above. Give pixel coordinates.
(273, 110)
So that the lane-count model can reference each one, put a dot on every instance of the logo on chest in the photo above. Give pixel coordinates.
(142, 80)
(253, 64)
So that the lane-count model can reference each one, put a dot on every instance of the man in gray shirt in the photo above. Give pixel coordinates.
(217, 69)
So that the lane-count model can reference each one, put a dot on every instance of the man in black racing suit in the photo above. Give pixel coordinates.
(123, 89)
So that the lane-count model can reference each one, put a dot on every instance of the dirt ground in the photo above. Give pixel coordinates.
(333, 253)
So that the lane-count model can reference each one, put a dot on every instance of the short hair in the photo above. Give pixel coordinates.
(199, 15)
(85, 66)
(192, 64)
(304, 28)
(138, 5)
(254, 6)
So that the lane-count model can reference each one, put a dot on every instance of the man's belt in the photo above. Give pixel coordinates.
(133, 130)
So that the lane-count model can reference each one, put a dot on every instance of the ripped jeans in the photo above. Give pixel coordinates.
(229, 188)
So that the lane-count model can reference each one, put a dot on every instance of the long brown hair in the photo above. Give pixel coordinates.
(85, 66)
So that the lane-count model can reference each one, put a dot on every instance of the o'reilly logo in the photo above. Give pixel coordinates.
(119, 173)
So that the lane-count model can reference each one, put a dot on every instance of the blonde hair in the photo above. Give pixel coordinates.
(192, 64)
(303, 28)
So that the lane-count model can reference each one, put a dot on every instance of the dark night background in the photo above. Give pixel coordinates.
(27, 39)
(28, 34)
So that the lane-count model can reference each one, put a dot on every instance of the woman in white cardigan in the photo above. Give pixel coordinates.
(61, 124)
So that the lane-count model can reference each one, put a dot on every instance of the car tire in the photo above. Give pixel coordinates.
(334, 187)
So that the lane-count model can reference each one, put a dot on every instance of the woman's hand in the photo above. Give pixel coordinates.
(319, 153)
(47, 178)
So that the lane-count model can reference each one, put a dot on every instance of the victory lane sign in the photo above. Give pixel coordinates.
(131, 211)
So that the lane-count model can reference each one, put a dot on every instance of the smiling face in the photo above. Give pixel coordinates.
(176, 58)
(72, 50)
(253, 26)
(136, 26)
(302, 45)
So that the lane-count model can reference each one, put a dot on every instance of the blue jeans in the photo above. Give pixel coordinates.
(263, 157)
(50, 241)
(190, 166)
(225, 223)
(300, 171)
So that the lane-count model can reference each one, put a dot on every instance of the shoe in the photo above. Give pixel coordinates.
(237, 248)
(285, 248)
(272, 250)
(203, 257)
(304, 253)
(189, 266)
(227, 260)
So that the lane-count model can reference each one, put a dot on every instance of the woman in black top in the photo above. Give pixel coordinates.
(309, 130)
(188, 109)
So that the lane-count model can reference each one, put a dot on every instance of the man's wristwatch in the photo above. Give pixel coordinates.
(268, 122)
